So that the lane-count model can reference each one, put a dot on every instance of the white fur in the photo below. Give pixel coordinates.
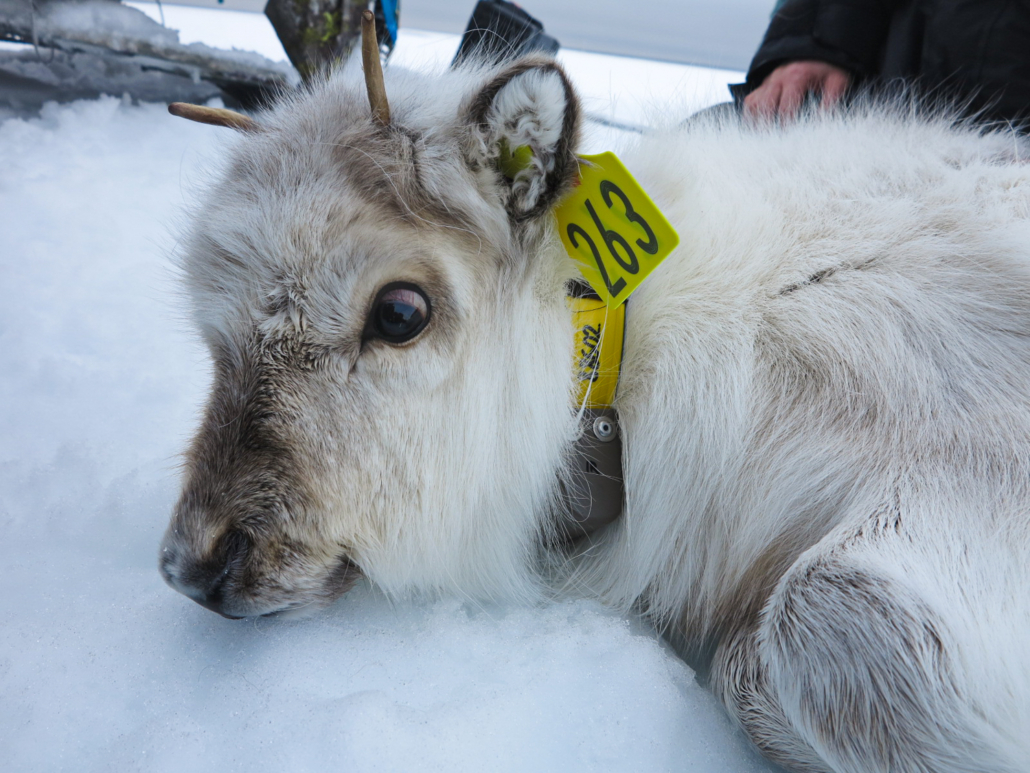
(825, 400)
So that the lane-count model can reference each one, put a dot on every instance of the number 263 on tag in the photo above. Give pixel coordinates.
(612, 229)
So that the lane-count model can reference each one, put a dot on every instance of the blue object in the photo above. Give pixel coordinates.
(389, 16)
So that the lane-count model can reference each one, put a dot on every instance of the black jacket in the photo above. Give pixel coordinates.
(975, 51)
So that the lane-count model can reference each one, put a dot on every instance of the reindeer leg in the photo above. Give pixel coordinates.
(852, 672)
(739, 679)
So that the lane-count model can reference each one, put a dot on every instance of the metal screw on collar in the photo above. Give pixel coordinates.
(604, 429)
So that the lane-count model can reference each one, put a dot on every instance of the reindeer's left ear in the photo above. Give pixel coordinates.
(523, 131)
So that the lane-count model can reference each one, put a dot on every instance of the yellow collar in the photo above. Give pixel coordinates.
(593, 489)
(597, 351)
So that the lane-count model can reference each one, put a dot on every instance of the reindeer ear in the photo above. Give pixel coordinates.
(523, 131)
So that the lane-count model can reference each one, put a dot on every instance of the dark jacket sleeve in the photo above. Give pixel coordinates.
(847, 33)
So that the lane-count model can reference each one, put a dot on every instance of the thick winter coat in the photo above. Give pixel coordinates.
(825, 398)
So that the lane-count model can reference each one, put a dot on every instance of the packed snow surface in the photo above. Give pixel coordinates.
(102, 667)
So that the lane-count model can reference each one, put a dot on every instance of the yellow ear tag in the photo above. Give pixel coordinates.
(612, 229)
(511, 162)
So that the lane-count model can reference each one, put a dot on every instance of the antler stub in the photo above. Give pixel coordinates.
(215, 116)
(373, 70)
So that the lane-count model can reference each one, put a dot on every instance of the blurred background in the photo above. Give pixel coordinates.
(711, 33)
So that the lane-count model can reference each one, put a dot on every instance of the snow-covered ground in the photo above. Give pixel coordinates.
(102, 667)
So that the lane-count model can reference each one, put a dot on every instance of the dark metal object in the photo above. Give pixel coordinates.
(317, 34)
(499, 30)
(594, 493)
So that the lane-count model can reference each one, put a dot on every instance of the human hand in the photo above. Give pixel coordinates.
(785, 88)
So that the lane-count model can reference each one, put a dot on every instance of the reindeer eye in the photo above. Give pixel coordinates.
(399, 313)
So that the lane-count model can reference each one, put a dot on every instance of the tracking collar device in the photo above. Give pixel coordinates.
(617, 236)
(594, 492)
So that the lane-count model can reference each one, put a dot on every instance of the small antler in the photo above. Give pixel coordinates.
(373, 70)
(215, 116)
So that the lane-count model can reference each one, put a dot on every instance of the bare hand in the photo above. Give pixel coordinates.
(785, 88)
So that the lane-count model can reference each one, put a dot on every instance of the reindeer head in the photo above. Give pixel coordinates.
(385, 313)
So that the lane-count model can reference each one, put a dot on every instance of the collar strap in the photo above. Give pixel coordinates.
(594, 492)
(598, 350)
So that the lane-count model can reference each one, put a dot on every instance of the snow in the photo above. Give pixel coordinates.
(126, 29)
(102, 667)
(224, 29)
(107, 21)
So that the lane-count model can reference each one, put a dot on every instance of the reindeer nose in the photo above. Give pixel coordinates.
(205, 579)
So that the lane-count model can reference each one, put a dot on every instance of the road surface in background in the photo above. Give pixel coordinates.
(628, 91)
(711, 33)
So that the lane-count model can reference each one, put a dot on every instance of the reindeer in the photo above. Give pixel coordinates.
(824, 401)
